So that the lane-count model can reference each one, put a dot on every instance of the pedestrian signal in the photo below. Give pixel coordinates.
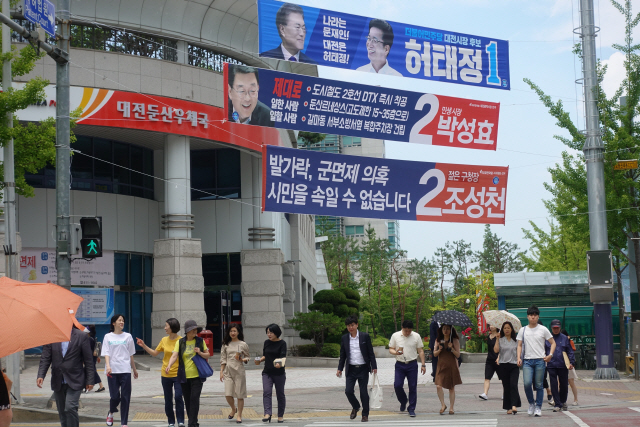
(91, 241)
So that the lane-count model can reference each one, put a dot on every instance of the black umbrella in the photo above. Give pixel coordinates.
(452, 317)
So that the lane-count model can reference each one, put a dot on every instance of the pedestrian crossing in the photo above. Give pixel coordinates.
(439, 422)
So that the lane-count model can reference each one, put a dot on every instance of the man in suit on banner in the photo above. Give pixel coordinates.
(292, 31)
(243, 105)
(72, 369)
(356, 356)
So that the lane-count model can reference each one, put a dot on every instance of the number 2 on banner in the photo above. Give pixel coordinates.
(415, 136)
(421, 208)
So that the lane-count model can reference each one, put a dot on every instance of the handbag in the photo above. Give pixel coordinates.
(375, 393)
(567, 362)
(204, 369)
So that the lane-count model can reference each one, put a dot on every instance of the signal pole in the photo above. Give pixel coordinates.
(594, 157)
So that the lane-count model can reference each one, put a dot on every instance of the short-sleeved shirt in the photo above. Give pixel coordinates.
(492, 356)
(190, 368)
(508, 350)
(533, 341)
(167, 346)
(119, 348)
(410, 345)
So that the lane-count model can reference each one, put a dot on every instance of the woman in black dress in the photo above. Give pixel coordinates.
(490, 366)
(5, 401)
(273, 373)
(96, 357)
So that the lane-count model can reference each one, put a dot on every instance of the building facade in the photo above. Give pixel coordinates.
(179, 195)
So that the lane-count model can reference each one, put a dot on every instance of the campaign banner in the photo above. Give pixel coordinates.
(292, 32)
(98, 306)
(317, 183)
(271, 98)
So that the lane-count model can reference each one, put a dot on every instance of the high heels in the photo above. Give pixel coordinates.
(280, 421)
(232, 415)
(264, 420)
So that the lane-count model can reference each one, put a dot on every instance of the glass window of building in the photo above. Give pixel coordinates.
(354, 230)
(351, 141)
(215, 174)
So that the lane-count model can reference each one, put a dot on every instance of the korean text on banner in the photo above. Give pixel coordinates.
(291, 32)
(290, 101)
(316, 183)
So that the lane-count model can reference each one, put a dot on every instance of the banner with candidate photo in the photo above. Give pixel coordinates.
(317, 183)
(272, 98)
(291, 32)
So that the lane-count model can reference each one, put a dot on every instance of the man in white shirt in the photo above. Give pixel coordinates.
(379, 42)
(531, 354)
(407, 346)
(356, 351)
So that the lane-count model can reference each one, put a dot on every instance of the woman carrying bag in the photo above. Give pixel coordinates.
(233, 355)
(274, 356)
(507, 346)
(191, 351)
(447, 350)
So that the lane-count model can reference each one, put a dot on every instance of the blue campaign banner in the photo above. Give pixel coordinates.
(317, 183)
(292, 32)
(98, 306)
(311, 104)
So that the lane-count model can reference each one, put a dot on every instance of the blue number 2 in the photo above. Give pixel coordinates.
(492, 51)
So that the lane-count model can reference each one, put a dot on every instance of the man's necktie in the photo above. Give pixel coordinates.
(293, 58)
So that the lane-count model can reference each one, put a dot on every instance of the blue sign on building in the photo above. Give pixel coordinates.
(41, 12)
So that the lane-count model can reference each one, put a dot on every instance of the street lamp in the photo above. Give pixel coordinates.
(466, 303)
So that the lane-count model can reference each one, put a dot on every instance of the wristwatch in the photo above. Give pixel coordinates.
(424, 365)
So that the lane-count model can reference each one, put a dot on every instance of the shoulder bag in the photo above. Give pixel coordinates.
(375, 393)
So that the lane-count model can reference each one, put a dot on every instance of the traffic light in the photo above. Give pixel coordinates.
(91, 241)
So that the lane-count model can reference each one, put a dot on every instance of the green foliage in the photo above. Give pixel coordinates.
(306, 350)
(316, 325)
(380, 342)
(330, 350)
(499, 256)
(310, 138)
(335, 301)
(340, 257)
(324, 307)
(329, 296)
(334, 338)
(557, 250)
(350, 294)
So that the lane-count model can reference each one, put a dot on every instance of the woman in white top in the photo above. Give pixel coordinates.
(507, 346)
(118, 350)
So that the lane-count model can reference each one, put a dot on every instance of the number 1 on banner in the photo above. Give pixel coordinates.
(492, 51)
(421, 208)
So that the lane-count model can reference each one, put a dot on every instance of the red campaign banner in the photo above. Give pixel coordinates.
(465, 193)
(130, 110)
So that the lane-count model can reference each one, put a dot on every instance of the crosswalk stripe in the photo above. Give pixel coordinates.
(635, 409)
(415, 423)
(576, 419)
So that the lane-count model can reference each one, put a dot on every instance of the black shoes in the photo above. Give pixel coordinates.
(354, 414)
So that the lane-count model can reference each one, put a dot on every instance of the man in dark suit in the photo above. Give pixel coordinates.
(356, 355)
(72, 370)
(244, 107)
(433, 337)
(292, 31)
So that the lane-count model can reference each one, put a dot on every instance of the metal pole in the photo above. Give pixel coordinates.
(13, 361)
(594, 157)
(63, 160)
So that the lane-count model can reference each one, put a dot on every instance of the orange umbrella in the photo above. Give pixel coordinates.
(34, 314)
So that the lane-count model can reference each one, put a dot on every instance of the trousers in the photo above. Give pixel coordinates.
(191, 391)
(410, 372)
(361, 375)
(268, 381)
(509, 375)
(533, 375)
(120, 393)
(169, 385)
(560, 375)
(67, 401)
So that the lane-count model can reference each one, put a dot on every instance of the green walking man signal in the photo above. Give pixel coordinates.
(91, 241)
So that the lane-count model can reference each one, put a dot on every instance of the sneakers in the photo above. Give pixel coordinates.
(564, 406)
(483, 396)
(556, 409)
(532, 407)
(109, 419)
(538, 411)
(412, 414)
(575, 403)
(551, 402)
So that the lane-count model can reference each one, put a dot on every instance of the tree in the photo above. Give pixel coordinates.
(34, 144)
(316, 325)
(340, 254)
(442, 262)
(499, 256)
(310, 138)
(423, 276)
(461, 256)
(620, 135)
(557, 250)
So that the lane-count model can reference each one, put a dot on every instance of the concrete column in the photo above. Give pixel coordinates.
(178, 284)
(305, 295)
(288, 273)
(262, 294)
(183, 55)
(177, 194)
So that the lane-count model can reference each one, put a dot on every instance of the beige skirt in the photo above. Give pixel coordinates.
(235, 384)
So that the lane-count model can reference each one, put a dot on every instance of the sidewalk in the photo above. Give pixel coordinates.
(317, 392)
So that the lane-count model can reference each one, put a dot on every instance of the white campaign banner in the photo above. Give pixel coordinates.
(38, 265)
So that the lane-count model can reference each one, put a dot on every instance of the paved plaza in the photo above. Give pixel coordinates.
(315, 397)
